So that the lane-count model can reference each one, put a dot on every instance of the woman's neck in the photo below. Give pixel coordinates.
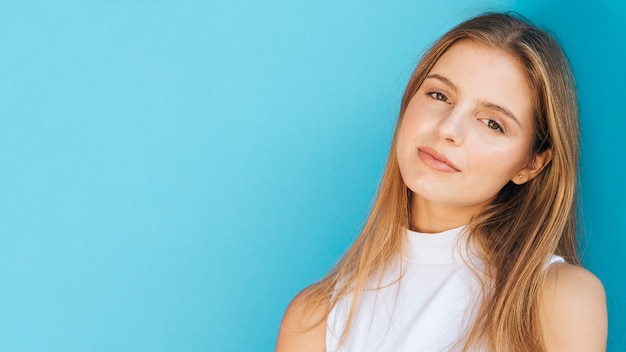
(428, 217)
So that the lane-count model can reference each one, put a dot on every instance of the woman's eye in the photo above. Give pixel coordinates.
(493, 125)
(438, 96)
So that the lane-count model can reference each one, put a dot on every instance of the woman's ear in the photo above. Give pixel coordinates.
(533, 168)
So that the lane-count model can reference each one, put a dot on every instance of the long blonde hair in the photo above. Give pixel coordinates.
(520, 229)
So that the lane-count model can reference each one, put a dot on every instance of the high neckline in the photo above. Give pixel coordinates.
(435, 248)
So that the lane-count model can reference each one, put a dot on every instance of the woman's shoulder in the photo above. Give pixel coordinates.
(573, 310)
(304, 326)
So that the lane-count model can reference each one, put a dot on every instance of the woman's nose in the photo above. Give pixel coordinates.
(451, 126)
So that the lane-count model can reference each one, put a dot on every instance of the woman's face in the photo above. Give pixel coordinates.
(468, 129)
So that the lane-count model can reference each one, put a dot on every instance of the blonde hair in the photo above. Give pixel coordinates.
(520, 229)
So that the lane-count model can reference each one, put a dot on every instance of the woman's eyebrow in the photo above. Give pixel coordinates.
(500, 109)
(445, 81)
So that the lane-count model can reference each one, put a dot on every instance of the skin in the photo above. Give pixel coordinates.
(573, 310)
(296, 334)
(465, 134)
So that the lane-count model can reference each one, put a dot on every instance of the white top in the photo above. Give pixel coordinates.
(428, 310)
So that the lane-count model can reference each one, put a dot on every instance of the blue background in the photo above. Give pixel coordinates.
(173, 173)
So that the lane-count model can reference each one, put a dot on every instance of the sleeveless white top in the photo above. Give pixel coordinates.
(428, 310)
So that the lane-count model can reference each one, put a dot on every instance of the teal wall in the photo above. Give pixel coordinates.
(174, 172)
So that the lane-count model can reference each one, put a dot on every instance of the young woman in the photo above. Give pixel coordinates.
(471, 242)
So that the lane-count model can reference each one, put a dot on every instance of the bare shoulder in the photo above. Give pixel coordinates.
(573, 310)
(302, 329)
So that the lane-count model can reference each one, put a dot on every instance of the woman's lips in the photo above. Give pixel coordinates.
(435, 160)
